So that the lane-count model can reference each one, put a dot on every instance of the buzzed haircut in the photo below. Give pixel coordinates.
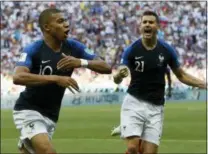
(45, 16)
(151, 13)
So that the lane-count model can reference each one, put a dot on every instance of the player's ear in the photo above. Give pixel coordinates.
(46, 27)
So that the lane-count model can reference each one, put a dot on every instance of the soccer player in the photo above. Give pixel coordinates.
(45, 67)
(142, 112)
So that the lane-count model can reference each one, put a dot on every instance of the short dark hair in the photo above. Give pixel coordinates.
(45, 16)
(151, 13)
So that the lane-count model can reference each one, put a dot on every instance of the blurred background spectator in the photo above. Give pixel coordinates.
(106, 28)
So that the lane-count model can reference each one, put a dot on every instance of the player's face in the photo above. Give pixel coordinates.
(149, 27)
(59, 26)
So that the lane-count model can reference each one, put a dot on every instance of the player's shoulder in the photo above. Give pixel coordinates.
(33, 47)
(167, 46)
(73, 42)
(136, 43)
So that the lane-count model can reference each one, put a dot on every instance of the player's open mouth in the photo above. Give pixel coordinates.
(147, 32)
(66, 32)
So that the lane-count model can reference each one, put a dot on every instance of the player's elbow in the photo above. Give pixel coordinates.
(17, 79)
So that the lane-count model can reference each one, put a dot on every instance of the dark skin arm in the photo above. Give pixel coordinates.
(96, 64)
(22, 76)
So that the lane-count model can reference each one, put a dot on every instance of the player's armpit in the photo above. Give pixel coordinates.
(22, 76)
(189, 79)
(99, 65)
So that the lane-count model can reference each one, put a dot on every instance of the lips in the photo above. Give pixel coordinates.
(66, 32)
(147, 31)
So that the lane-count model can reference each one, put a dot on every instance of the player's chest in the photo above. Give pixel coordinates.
(146, 61)
(46, 64)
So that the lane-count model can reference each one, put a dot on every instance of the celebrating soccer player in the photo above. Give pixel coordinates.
(45, 67)
(142, 108)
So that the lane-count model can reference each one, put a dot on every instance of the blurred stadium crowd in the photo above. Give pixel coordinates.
(106, 28)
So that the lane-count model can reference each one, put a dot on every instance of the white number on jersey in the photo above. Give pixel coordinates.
(44, 69)
(139, 66)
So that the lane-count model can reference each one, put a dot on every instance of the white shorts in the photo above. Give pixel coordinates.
(139, 118)
(31, 123)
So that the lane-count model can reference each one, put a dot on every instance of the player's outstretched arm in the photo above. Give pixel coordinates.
(97, 64)
(189, 79)
(123, 72)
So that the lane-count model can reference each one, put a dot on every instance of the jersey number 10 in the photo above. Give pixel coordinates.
(47, 70)
(139, 66)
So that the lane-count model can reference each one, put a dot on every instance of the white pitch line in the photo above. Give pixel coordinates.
(99, 139)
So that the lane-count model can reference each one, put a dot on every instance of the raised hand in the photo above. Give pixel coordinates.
(124, 72)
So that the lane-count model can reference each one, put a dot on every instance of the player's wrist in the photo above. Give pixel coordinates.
(84, 63)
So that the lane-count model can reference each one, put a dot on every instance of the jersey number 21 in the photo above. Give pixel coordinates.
(139, 66)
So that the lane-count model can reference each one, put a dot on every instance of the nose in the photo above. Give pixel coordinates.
(147, 24)
(66, 24)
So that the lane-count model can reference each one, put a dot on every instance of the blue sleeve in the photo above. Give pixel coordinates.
(26, 57)
(125, 56)
(173, 61)
(82, 51)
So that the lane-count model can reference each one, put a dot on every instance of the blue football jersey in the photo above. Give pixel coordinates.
(148, 69)
(42, 60)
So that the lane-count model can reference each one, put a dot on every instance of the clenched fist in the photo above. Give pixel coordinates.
(124, 72)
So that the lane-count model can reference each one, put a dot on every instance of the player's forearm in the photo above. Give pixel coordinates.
(29, 79)
(99, 66)
(192, 81)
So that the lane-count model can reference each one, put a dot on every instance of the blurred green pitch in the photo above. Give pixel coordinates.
(86, 129)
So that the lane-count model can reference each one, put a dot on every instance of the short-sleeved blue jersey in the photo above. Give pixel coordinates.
(148, 69)
(42, 60)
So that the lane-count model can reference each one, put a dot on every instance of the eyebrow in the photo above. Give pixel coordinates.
(149, 20)
(61, 18)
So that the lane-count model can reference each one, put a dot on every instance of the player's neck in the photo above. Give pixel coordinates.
(149, 44)
(54, 44)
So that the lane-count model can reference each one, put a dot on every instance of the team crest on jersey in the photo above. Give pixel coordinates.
(161, 59)
(23, 57)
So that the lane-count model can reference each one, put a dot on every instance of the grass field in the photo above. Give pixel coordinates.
(86, 129)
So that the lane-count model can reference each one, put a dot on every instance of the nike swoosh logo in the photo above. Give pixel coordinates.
(45, 61)
(139, 57)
